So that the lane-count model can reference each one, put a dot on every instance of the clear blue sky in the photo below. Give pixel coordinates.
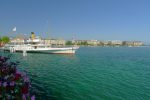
(84, 19)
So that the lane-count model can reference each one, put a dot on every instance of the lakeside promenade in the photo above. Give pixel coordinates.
(105, 43)
(61, 42)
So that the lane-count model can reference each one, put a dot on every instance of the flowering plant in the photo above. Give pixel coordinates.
(14, 85)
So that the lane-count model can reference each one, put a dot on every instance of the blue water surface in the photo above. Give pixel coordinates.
(93, 73)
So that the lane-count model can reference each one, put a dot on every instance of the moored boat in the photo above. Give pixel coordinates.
(35, 45)
(40, 49)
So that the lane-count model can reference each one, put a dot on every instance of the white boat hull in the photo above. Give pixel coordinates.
(28, 49)
(52, 51)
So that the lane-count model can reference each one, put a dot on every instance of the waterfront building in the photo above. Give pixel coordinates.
(105, 43)
(61, 42)
(138, 43)
(18, 40)
(92, 42)
(79, 41)
(116, 42)
(58, 42)
(128, 43)
(109, 43)
(133, 43)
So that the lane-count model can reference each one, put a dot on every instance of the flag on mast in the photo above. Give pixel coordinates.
(14, 29)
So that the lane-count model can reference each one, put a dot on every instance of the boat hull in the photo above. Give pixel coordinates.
(69, 50)
(53, 51)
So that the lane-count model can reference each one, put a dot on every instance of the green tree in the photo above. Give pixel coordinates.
(69, 43)
(109, 43)
(0, 40)
(84, 43)
(100, 44)
(124, 43)
(5, 39)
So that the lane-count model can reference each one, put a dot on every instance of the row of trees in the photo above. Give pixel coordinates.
(81, 43)
(107, 43)
(4, 40)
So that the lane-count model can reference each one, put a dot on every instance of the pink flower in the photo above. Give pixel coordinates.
(33, 97)
(26, 79)
(5, 84)
(12, 83)
(17, 77)
(24, 90)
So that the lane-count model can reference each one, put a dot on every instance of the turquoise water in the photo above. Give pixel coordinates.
(93, 73)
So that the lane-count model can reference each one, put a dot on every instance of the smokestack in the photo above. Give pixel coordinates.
(32, 35)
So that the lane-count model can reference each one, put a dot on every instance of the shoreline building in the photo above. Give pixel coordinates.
(116, 42)
(108, 43)
(133, 43)
(51, 42)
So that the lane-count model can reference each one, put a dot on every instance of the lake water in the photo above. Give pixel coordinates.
(93, 73)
